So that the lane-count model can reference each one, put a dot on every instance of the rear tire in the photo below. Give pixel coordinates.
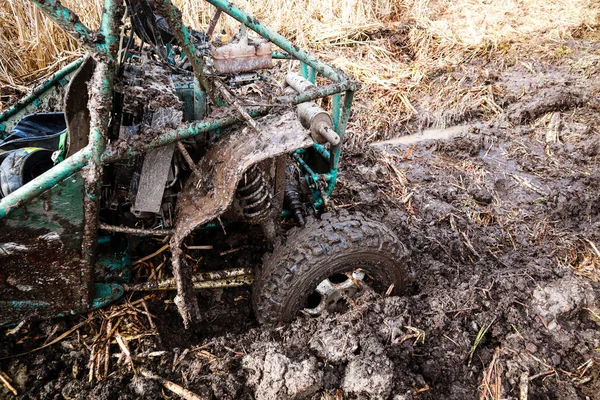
(333, 245)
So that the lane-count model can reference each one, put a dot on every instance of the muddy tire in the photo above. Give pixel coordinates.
(323, 248)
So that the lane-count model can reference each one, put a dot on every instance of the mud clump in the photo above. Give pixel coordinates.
(274, 376)
(371, 373)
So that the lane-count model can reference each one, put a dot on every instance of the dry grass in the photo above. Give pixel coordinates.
(411, 55)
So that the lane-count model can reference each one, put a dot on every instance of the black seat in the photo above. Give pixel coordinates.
(36, 130)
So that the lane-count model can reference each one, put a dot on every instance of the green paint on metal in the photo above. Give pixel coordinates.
(200, 101)
(58, 210)
(336, 108)
(304, 70)
(23, 304)
(47, 180)
(312, 75)
(181, 33)
(322, 151)
(69, 22)
(278, 55)
(41, 89)
(110, 27)
(106, 293)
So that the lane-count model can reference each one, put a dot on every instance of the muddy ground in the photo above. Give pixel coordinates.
(501, 217)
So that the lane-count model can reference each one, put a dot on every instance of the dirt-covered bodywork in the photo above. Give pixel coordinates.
(162, 132)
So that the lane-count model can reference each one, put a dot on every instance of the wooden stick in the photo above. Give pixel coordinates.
(125, 350)
(7, 383)
(188, 160)
(232, 101)
(157, 252)
(173, 387)
(58, 339)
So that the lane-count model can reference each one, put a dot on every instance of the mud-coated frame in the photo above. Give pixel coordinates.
(103, 46)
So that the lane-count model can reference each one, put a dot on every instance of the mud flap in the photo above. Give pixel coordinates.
(206, 198)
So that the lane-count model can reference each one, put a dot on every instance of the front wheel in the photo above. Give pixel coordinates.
(324, 264)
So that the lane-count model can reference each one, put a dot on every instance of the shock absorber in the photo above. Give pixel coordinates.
(253, 193)
(292, 200)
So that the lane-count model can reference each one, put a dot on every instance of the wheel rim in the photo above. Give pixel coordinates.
(334, 292)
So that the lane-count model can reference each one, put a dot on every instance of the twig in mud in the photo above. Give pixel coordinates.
(523, 386)
(178, 359)
(542, 374)
(6, 381)
(492, 384)
(469, 245)
(593, 246)
(389, 290)
(58, 339)
(173, 387)
(125, 350)
(141, 260)
(198, 247)
(478, 339)
(16, 329)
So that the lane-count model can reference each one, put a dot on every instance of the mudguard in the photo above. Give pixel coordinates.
(206, 197)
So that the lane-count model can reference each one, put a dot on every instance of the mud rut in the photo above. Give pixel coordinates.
(501, 217)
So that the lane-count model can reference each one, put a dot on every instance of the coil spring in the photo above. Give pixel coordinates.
(253, 193)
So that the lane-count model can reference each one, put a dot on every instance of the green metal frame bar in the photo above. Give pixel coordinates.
(100, 106)
(39, 90)
(70, 23)
(181, 33)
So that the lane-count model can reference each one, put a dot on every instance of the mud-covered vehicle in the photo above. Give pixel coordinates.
(164, 132)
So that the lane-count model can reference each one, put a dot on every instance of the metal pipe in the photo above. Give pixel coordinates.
(135, 231)
(116, 151)
(100, 106)
(41, 89)
(336, 151)
(39, 185)
(70, 23)
(280, 41)
(213, 22)
(172, 14)
(278, 55)
(202, 280)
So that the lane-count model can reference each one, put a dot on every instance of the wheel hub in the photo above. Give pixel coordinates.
(334, 291)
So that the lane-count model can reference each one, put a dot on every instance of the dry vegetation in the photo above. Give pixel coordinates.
(411, 55)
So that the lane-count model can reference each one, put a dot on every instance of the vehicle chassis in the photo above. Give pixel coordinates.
(103, 45)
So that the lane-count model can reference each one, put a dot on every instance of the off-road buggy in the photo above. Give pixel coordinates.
(164, 132)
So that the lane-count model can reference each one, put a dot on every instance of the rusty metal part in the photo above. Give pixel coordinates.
(134, 231)
(203, 280)
(222, 168)
(188, 159)
(213, 22)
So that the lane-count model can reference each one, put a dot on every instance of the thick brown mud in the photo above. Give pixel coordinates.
(501, 219)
